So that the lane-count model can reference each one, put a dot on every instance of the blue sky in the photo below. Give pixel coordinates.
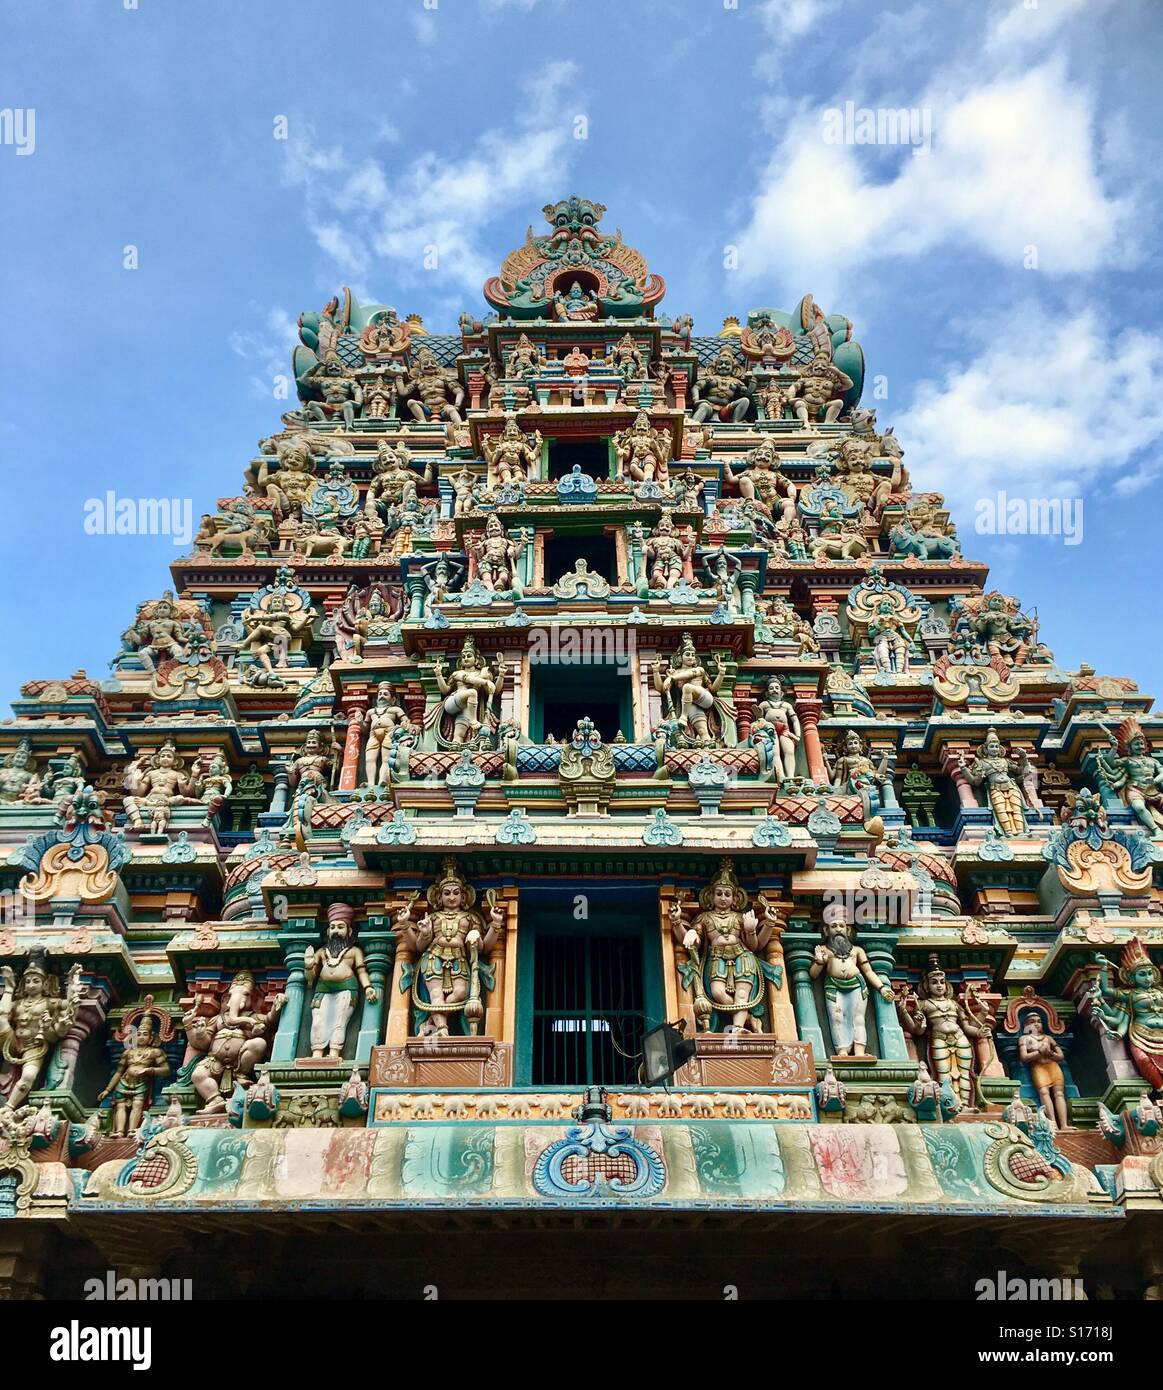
(1004, 283)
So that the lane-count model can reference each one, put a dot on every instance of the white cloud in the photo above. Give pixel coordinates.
(1048, 408)
(788, 20)
(266, 349)
(1015, 162)
(1016, 25)
(369, 211)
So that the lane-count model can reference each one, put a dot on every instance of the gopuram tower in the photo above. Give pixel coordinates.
(541, 684)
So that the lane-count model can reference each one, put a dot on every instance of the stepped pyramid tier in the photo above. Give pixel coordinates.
(535, 685)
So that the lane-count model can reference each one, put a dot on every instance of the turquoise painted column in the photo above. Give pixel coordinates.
(293, 944)
(748, 579)
(892, 1038)
(379, 950)
(416, 590)
(799, 960)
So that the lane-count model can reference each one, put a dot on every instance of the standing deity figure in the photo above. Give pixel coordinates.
(848, 974)
(453, 943)
(773, 397)
(432, 392)
(1133, 1008)
(496, 556)
(513, 457)
(155, 784)
(726, 972)
(720, 393)
(18, 773)
(775, 730)
(1044, 1057)
(763, 482)
(393, 481)
(627, 360)
(464, 489)
(687, 675)
(1132, 772)
(383, 723)
(523, 359)
(159, 635)
(233, 1042)
(341, 395)
(936, 1013)
(469, 692)
(33, 1019)
(142, 1062)
(854, 772)
(642, 452)
(309, 778)
(818, 392)
(991, 769)
(216, 784)
(666, 554)
(889, 639)
(335, 976)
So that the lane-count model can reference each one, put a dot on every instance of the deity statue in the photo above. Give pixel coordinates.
(384, 722)
(576, 306)
(666, 554)
(384, 335)
(33, 1019)
(432, 392)
(469, 693)
(156, 783)
(512, 456)
(464, 491)
(1133, 1008)
(18, 773)
(453, 942)
(763, 483)
(687, 675)
(341, 394)
(158, 632)
(722, 568)
(725, 943)
(642, 452)
(720, 393)
(441, 578)
(992, 770)
(289, 485)
(818, 392)
(142, 1062)
(273, 628)
(773, 397)
(627, 360)
(523, 360)
(64, 779)
(848, 975)
(309, 778)
(335, 975)
(1002, 628)
(949, 1027)
(496, 557)
(216, 784)
(1042, 1054)
(888, 636)
(381, 390)
(854, 772)
(233, 1042)
(393, 480)
(1132, 773)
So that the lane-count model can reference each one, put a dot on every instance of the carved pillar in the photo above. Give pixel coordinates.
(349, 772)
(416, 589)
(286, 1042)
(950, 763)
(744, 696)
(476, 389)
(780, 1010)
(496, 1007)
(809, 709)
(748, 580)
(281, 769)
(892, 1038)
(799, 961)
(679, 1001)
(399, 1005)
(377, 949)
(679, 383)
(89, 1017)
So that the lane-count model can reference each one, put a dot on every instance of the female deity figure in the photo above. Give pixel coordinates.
(888, 638)
(216, 784)
(233, 1042)
(156, 784)
(142, 1062)
(1044, 1058)
(495, 557)
(642, 452)
(764, 483)
(776, 730)
(724, 942)
(1134, 774)
(991, 768)
(33, 1019)
(453, 942)
(513, 457)
(1133, 1008)
(687, 675)
(949, 1027)
(469, 693)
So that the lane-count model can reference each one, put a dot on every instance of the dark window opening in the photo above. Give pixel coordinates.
(593, 455)
(562, 552)
(588, 1010)
(579, 688)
